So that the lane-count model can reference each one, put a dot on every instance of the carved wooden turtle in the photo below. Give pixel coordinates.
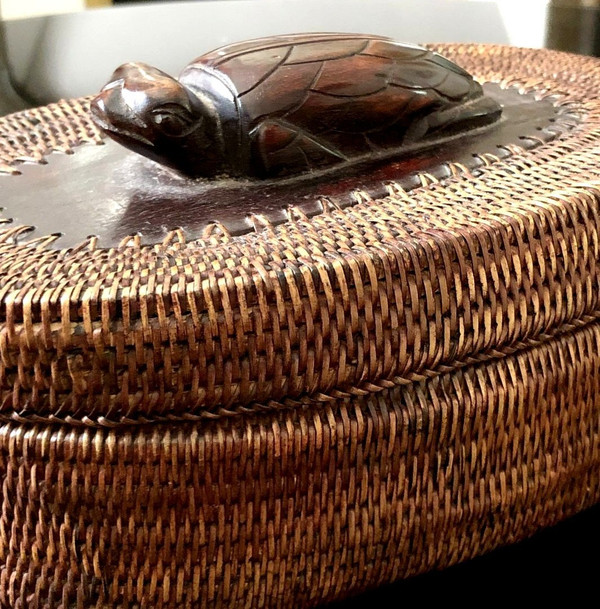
(287, 105)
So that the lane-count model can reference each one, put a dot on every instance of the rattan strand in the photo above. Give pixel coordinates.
(414, 381)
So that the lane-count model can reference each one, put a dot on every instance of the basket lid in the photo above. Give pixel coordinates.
(463, 259)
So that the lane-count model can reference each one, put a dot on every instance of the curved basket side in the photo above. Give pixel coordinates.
(298, 507)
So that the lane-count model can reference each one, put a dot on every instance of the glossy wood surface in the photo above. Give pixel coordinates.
(288, 105)
(132, 195)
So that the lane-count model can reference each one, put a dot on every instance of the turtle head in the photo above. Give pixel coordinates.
(153, 114)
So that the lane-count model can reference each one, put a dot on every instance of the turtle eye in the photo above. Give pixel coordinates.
(174, 120)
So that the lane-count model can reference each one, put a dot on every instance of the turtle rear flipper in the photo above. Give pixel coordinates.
(479, 112)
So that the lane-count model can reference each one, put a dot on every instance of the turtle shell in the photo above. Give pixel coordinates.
(318, 99)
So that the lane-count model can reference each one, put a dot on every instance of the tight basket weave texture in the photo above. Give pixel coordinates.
(284, 418)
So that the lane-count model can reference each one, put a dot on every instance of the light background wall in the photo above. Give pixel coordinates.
(19, 9)
(524, 20)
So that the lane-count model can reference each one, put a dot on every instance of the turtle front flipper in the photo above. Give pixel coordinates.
(280, 148)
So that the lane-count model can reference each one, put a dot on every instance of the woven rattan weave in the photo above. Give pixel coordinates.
(288, 417)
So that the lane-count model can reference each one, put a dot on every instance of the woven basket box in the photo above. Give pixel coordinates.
(287, 417)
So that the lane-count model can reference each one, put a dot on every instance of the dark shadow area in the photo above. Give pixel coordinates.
(564, 557)
(574, 26)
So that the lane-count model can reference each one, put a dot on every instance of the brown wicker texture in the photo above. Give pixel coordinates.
(284, 418)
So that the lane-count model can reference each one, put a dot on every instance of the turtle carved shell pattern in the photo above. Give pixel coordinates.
(289, 105)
